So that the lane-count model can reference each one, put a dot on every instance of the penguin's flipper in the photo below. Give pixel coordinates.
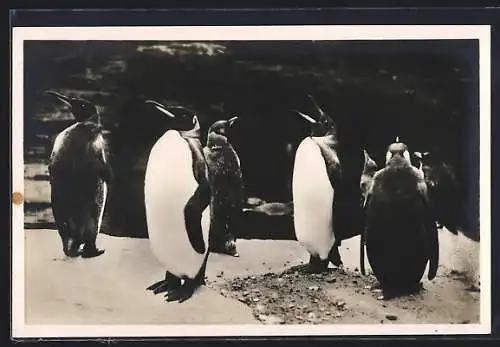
(362, 253)
(432, 231)
(192, 215)
(434, 251)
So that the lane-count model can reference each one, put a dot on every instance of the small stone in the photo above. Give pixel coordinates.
(291, 305)
(315, 301)
(380, 297)
(255, 290)
(340, 304)
(311, 316)
(271, 319)
(338, 315)
(331, 280)
(253, 277)
(260, 308)
(328, 313)
(299, 317)
(246, 293)
(255, 299)
(376, 290)
(367, 287)
(322, 309)
(355, 282)
(391, 316)
(220, 274)
(313, 288)
(275, 296)
(223, 292)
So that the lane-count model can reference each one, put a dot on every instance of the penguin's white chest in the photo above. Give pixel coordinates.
(312, 199)
(169, 184)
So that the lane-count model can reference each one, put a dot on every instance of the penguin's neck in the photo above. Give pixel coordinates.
(216, 142)
(191, 134)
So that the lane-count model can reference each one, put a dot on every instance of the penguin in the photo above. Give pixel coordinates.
(319, 198)
(226, 185)
(177, 204)
(369, 169)
(401, 234)
(79, 177)
(443, 189)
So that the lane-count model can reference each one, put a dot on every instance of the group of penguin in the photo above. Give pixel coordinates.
(194, 193)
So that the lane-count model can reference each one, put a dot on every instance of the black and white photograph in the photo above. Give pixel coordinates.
(251, 181)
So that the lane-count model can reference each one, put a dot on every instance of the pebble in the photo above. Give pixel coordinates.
(271, 319)
(255, 299)
(381, 297)
(367, 287)
(246, 292)
(299, 317)
(340, 304)
(253, 277)
(391, 316)
(331, 280)
(328, 313)
(313, 288)
(260, 307)
(311, 316)
(291, 306)
(338, 315)
(376, 290)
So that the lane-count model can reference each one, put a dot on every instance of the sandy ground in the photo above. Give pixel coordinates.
(265, 285)
(252, 288)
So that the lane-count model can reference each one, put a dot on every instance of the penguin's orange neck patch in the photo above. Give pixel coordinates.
(17, 198)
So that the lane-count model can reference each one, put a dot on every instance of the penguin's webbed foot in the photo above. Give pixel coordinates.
(92, 252)
(182, 293)
(316, 265)
(156, 285)
(167, 285)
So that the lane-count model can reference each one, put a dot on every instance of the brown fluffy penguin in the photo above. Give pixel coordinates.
(226, 184)
(401, 234)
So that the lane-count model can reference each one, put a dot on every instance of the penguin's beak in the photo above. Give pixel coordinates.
(231, 121)
(160, 107)
(59, 96)
(306, 117)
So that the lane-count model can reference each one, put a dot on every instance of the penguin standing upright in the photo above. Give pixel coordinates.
(177, 204)
(324, 195)
(226, 183)
(369, 170)
(443, 189)
(401, 234)
(79, 177)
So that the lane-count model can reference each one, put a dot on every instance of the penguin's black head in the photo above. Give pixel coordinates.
(183, 120)
(323, 125)
(398, 149)
(221, 127)
(81, 109)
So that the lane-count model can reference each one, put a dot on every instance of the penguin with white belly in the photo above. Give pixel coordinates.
(226, 183)
(177, 204)
(319, 191)
(79, 177)
(401, 234)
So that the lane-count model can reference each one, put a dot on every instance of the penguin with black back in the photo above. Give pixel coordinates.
(443, 189)
(227, 187)
(177, 203)
(401, 234)
(316, 183)
(369, 169)
(79, 177)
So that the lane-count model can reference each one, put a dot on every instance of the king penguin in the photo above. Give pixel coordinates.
(226, 183)
(177, 204)
(317, 176)
(401, 234)
(79, 178)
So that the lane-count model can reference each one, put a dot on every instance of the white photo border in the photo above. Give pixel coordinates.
(255, 33)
